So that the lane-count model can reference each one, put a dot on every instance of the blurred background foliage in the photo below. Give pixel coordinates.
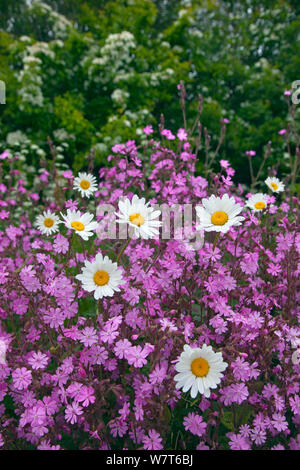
(94, 73)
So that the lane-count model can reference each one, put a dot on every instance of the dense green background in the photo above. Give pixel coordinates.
(93, 85)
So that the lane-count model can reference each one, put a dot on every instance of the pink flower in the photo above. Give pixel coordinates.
(46, 445)
(74, 389)
(224, 163)
(68, 174)
(195, 424)
(202, 446)
(168, 134)
(109, 334)
(86, 396)
(88, 336)
(182, 134)
(278, 447)
(50, 405)
(72, 412)
(279, 422)
(37, 416)
(237, 442)
(54, 317)
(125, 410)
(119, 148)
(274, 269)
(61, 244)
(73, 205)
(44, 176)
(249, 264)
(118, 427)
(122, 348)
(137, 356)
(152, 441)
(3, 275)
(4, 215)
(259, 436)
(4, 155)
(38, 360)
(148, 130)
(158, 374)
(21, 378)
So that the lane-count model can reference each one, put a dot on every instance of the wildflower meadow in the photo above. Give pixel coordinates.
(151, 302)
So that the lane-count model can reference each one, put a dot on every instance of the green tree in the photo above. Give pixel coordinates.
(96, 72)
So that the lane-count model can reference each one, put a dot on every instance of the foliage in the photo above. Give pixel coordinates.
(98, 71)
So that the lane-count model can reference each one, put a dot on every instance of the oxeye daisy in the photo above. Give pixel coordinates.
(82, 224)
(140, 216)
(218, 214)
(199, 370)
(101, 276)
(85, 183)
(47, 222)
(258, 202)
(274, 184)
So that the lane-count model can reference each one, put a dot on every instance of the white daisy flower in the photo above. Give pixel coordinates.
(274, 184)
(199, 370)
(219, 214)
(258, 202)
(86, 184)
(101, 276)
(47, 222)
(82, 224)
(140, 216)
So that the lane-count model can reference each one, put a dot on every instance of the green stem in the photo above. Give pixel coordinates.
(23, 264)
(216, 239)
(123, 249)
(251, 171)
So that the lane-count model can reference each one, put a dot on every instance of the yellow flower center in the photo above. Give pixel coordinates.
(85, 184)
(200, 367)
(77, 225)
(101, 278)
(48, 222)
(260, 205)
(219, 218)
(274, 186)
(137, 219)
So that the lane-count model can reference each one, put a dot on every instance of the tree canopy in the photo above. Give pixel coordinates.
(92, 74)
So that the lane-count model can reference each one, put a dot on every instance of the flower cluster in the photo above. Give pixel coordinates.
(148, 342)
